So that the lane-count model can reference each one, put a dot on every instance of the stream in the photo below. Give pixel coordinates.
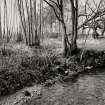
(86, 89)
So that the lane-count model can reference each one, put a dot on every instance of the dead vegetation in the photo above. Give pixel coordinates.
(18, 69)
(24, 66)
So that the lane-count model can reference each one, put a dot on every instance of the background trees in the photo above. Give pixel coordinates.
(35, 17)
(28, 17)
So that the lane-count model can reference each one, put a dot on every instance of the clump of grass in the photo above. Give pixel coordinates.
(6, 52)
(40, 64)
(19, 71)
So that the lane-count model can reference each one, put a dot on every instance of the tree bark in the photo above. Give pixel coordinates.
(74, 8)
(0, 26)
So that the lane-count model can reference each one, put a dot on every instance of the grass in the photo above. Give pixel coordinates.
(22, 66)
(18, 69)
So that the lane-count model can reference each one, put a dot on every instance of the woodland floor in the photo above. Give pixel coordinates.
(86, 89)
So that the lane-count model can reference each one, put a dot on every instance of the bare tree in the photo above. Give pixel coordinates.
(22, 18)
(29, 22)
(0, 25)
(93, 16)
(58, 9)
(74, 13)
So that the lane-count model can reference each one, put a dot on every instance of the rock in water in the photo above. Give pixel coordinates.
(27, 93)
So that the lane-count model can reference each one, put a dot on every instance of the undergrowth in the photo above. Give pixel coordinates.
(18, 70)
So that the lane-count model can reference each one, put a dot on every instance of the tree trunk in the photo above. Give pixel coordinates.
(74, 8)
(0, 26)
(95, 34)
(67, 45)
(64, 40)
(22, 19)
(103, 31)
(36, 37)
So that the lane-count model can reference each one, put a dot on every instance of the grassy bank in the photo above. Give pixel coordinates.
(26, 66)
(18, 69)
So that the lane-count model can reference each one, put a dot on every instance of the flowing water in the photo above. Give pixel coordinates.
(85, 89)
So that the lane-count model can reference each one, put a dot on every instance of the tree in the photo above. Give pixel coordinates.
(29, 21)
(74, 13)
(58, 9)
(93, 17)
(22, 19)
(0, 25)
